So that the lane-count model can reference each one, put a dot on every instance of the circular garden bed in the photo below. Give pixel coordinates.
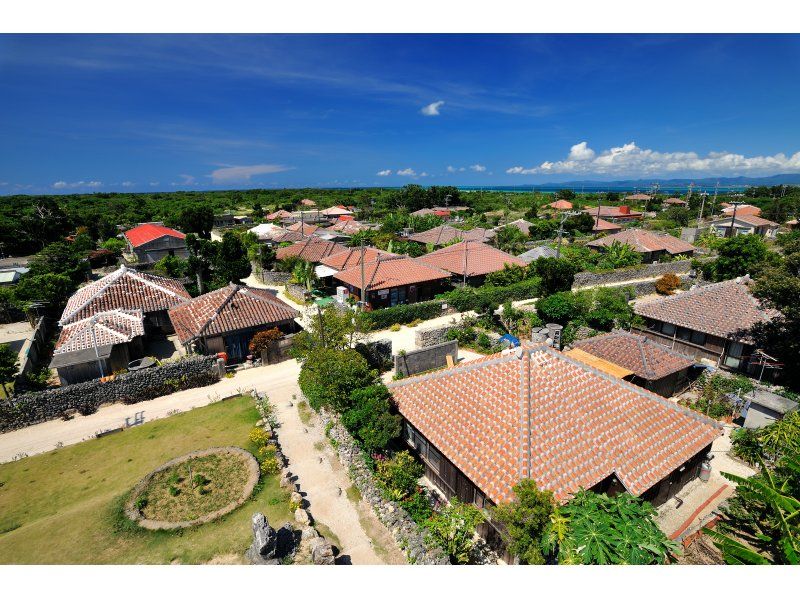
(194, 489)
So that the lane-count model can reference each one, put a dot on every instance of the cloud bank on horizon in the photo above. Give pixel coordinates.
(632, 160)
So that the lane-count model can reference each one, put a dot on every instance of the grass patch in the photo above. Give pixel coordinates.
(353, 494)
(305, 412)
(325, 531)
(78, 491)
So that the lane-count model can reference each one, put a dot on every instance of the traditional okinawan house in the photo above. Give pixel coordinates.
(470, 261)
(561, 205)
(445, 234)
(521, 224)
(267, 232)
(150, 242)
(652, 246)
(393, 280)
(98, 345)
(615, 213)
(532, 412)
(604, 226)
(311, 249)
(639, 197)
(279, 215)
(743, 210)
(350, 258)
(711, 322)
(675, 202)
(537, 253)
(349, 226)
(335, 212)
(651, 365)
(744, 224)
(225, 320)
(308, 203)
(126, 288)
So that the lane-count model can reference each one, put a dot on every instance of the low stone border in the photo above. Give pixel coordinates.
(253, 476)
(409, 536)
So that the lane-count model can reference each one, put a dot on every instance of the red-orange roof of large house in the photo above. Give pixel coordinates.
(475, 257)
(536, 413)
(351, 256)
(144, 233)
(389, 272)
(645, 241)
(561, 204)
(604, 226)
(620, 212)
(312, 249)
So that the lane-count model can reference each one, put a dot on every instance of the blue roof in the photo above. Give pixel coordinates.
(510, 339)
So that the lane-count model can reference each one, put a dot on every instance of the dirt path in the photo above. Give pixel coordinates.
(325, 484)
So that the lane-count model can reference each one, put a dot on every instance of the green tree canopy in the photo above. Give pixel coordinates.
(370, 419)
(526, 520)
(230, 262)
(328, 377)
(737, 256)
(8, 366)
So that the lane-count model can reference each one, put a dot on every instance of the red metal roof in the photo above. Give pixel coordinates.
(144, 233)
(539, 414)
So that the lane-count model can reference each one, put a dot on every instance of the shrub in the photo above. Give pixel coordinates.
(526, 520)
(141, 502)
(259, 437)
(667, 284)
(270, 466)
(398, 476)
(556, 274)
(453, 529)
(468, 298)
(267, 451)
(262, 340)
(173, 491)
(403, 314)
(328, 377)
(418, 506)
(370, 419)
(395, 327)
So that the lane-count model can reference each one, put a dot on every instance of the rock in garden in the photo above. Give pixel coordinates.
(264, 541)
(309, 533)
(302, 517)
(296, 498)
(286, 544)
(322, 552)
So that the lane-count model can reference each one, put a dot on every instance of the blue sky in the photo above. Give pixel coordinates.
(143, 113)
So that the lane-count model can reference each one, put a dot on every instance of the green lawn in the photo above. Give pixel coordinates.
(64, 506)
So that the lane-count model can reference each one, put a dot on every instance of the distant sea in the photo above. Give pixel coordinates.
(599, 189)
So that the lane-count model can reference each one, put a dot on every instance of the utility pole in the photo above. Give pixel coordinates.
(714, 201)
(564, 217)
(466, 249)
(363, 279)
(700, 214)
(735, 204)
(92, 324)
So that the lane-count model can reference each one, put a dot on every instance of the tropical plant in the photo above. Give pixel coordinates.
(262, 340)
(398, 475)
(333, 328)
(557, 274)
(525, 521)
(329, 376)
(761, 523)
(370, 419)
(612, 530)
(8, 366)
(510, 239)
(304, 275)
(453, 529)
(619, 255)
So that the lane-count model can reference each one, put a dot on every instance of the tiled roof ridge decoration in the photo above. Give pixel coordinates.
(104, 322)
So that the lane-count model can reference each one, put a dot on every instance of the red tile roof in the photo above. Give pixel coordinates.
(561, 204)
(336, 211)
(352, 257)
(645, 358)
(601, 226)
(124, 289)
(675, 201)
(110, 328)
(614, 212)
(307, 202)
(304, 227)
(645, 241)
(523, 225)
(745, 210)
(349, 227)
(311, 249)
(750, 219)
(144, 233)
(543, 415)
(444, 234)
(385, 273)
(725, 309)
(639, 197)
(280, 214)
(480, 258)
(231, 308)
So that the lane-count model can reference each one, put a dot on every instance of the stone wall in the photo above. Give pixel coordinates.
(648, 271)
(427, 337)
(425, 359)
(143, 385)
(33, 351)
(274, 278)
(296, 291)
(409, 536)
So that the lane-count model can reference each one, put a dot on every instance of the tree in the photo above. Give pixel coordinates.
(332, 328)
(115, 245)
(262, 340)
(612, 530)
(258, 211)
(370, 419)
(171, 266)
(532, 213)
(583, 223)
(611, 196)
(566, 194)
(202, 255)
(59, 258)
(52, 290)
(398, 475)
(8, 303)
(619, 255)
(198, 220)
(737, 256)
(510, 239)
(305, 275)
(83, 242)
(561, 308)
(453, 529)
(525, 520)
(557, 274)
(231, 263)
(8, 366)
(328, 377)
(510, 274)
(609, 308)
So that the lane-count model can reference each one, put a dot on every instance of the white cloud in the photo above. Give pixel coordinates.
(154, 183)
(477, 167)
(423, 174)
(127, 184)
(76, 184)
(451, 169)
(432, 109)
(630, 159)
(242, 174)
(386, 172)
(187, 179)
(407, 172)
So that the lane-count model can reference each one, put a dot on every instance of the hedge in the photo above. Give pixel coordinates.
(468, 298)
(403, 314)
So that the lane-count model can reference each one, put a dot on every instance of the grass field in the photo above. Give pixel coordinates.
(64, 506)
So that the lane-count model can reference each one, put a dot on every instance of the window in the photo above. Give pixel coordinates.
(408, 433)
(668, 329)
(698, 338)
(480, 499)
(684, 334)
(733, 358)
(434, 458)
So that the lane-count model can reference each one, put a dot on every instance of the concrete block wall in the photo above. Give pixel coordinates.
(425, 359)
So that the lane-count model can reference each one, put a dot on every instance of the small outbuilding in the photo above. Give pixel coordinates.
(762, 408)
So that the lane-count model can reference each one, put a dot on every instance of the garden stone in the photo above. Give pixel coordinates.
(302, 517)
(285, 542)
(264, 543)
(322, 552)
(309, 533)
(297, 498)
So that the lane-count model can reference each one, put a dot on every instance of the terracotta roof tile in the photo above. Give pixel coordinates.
(614, 212)
(444, 234)
(110, 328)
(352, 257)
(601, 225)
(645, 241)
(725, 309)
(311, 249)
(480, 258)
(385, 273)
(543, 415)
(234, 307)
(645, 358)
(124, 288)
(561, 204)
